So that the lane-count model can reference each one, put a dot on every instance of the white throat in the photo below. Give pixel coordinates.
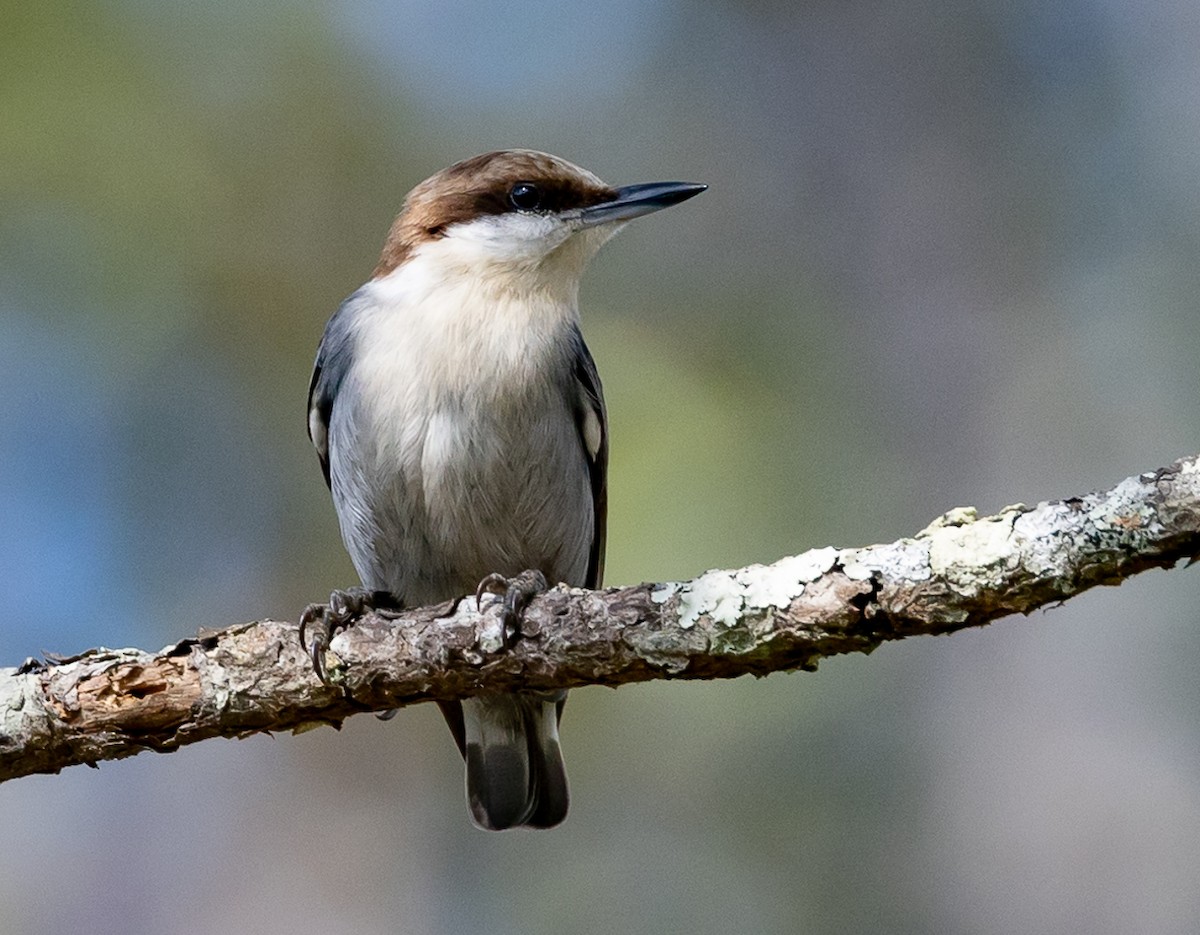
(456, 328)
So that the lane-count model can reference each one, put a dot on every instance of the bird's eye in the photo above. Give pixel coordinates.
(525, 196)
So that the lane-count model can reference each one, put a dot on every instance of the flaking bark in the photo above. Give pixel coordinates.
(961, 571)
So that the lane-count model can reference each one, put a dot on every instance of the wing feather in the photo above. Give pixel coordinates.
(592, 421)
(334, 357)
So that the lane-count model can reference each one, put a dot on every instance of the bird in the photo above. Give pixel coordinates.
(460, 425)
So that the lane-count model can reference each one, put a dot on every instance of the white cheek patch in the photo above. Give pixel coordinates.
(511, 236)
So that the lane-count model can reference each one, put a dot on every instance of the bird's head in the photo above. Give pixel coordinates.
(525, 217)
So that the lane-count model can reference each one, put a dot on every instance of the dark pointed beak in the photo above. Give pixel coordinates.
(633, 201)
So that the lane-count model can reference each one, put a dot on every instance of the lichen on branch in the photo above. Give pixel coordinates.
(962, 570)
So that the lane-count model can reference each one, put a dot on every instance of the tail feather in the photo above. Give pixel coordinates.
(549, 772)
(515, 773)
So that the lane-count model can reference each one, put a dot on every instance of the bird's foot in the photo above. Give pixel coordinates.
(320, 622)
(517, 592)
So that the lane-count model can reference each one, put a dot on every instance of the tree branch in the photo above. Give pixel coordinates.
(961, 571)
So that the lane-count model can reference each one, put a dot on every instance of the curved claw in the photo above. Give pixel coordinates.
(315, 646)
(319, 622)
(317, 655)
(517, 591)
(495, 583)
(312, 613)
(521, 590)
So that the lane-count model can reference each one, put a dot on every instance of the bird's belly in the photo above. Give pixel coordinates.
(468, 491)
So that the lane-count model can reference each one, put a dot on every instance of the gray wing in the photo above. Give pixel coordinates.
(592, 420)
(334, 357)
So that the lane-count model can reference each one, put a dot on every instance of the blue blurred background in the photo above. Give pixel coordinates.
(949, 256)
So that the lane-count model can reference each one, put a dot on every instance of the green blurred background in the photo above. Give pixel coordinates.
(949, 256)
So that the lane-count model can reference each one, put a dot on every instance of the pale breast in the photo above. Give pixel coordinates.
(444, 472)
